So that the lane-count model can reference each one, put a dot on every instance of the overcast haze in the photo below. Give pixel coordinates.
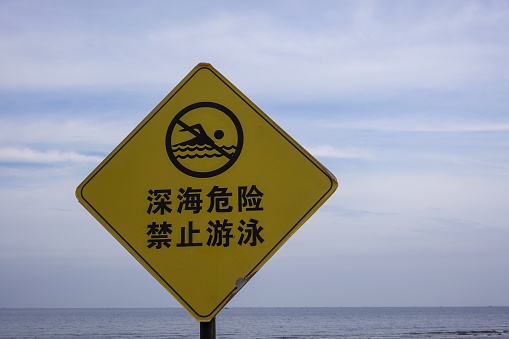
(406, 102)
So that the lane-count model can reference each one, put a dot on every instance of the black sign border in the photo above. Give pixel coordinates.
(256, 267)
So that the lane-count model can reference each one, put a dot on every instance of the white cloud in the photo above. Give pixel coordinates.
(370, 51)
(328, 151)
(102, 135)
(26, 155)
(419, 124)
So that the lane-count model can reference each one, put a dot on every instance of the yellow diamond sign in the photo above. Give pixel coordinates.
(205, 190)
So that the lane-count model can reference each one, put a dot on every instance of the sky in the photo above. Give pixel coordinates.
(405, 102)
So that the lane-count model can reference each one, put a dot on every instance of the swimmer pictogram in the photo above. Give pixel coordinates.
(204, 139)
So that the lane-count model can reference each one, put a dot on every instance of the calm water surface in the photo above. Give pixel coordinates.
(418, 322)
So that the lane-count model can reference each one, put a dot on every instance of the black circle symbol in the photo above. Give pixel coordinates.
(193, 151)
(218, 134)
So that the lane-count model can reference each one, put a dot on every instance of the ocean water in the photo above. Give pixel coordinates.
(365, 322)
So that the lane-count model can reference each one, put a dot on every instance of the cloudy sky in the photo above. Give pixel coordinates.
(406, 102)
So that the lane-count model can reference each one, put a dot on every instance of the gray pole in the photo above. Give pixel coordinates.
(208, 330)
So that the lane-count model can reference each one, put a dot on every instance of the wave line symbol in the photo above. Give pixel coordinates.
(192, 156)
(178, 148)
(200, 152)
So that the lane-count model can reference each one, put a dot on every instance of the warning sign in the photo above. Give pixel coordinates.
(205, 190)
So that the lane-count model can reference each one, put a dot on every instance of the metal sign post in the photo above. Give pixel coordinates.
(208, 329)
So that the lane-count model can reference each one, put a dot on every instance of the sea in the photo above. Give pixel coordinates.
(308, 322)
